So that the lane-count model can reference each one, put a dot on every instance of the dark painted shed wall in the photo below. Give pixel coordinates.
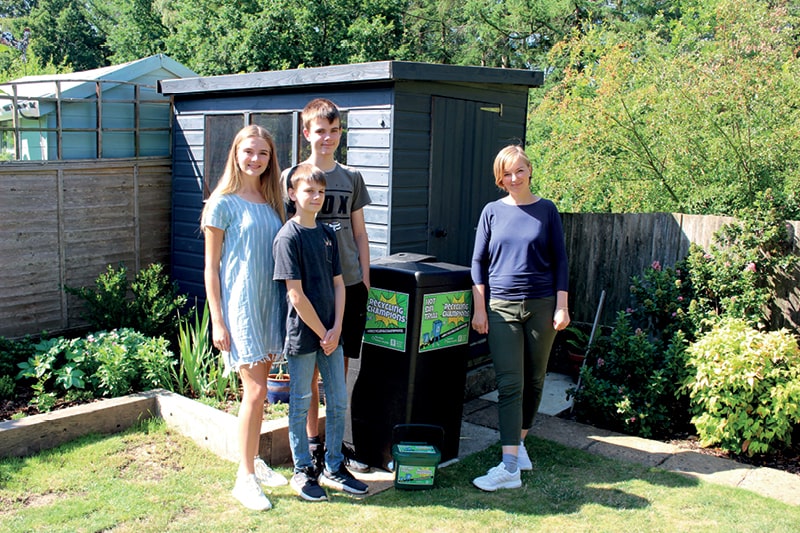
(411, 172)
(368, 149)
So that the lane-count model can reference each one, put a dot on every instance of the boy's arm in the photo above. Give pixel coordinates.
(306, 311)
(331, 339)
(362, 242)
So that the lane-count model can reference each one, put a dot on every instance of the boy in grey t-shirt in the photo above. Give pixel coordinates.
(307, 258)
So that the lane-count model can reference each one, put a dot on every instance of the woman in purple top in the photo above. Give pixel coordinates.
(519, 266)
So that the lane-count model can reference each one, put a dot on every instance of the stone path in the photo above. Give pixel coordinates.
(479, 430)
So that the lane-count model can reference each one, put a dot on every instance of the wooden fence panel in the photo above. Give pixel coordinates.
(606, 250)
(62, 222)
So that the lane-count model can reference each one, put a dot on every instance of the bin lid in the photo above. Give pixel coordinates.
(405, 257)
(425, 274)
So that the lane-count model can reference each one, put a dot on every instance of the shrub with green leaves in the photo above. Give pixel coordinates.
(631, 382)
(128, 361)
(745, 387)
(107, 364)
(661, 299)
(149, 304)
(735, 276)
(13, 352)
(7, 386)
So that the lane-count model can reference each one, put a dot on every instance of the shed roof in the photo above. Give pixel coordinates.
(359, 73)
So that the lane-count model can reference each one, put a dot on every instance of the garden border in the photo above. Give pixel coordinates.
(210, 428)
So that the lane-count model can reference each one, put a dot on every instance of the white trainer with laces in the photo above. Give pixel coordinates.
(249, 493)
(267, 476)
(498, 478)
(523, 461)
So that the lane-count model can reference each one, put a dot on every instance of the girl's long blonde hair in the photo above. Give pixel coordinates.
(231, 180)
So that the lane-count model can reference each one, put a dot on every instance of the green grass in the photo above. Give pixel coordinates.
(153, 479)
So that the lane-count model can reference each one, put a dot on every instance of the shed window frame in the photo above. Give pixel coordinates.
(221, 128)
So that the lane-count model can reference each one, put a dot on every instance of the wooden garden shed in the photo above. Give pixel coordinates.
(424, 137)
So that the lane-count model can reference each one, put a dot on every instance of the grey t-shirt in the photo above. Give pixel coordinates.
(310, 255)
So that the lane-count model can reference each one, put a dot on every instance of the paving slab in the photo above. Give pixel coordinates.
(632, 449)
(707, 467)
(768, 482)
(566, 432)
(773, 483)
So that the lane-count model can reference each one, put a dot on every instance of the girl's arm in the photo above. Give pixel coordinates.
(211, 276)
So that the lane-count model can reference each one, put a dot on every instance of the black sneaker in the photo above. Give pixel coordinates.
(317, 451)
(343, 480)
(305, 485)
(350, 460)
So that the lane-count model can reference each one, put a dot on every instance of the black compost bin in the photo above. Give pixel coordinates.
(414, 356)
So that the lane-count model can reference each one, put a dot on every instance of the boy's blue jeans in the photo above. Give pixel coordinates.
(301, 370)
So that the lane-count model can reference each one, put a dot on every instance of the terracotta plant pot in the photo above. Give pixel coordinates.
(575, 360)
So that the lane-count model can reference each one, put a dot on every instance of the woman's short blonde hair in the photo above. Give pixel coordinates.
(504, 158)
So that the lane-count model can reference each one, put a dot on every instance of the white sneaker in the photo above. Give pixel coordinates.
(249, 493)
(498, 478)
(267, 476)
(523, 461)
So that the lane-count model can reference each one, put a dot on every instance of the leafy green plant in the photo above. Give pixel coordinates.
(128, 360)
(577, 338)
(735, 277)
(200, 372)
(150, 304)
(13, 352)
(103, 364)
(661, 300)
(107, 305)
(745, 387)
(156, 302)
(631, 382)
(7, 386)
(51, 358)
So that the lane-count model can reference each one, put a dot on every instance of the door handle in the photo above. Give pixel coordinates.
(439, 233)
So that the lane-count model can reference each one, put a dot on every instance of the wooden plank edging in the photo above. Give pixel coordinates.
(210, 428)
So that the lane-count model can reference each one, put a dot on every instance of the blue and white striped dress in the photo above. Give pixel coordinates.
(253, 305)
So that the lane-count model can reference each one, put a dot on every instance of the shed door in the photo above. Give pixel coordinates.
(463, 147)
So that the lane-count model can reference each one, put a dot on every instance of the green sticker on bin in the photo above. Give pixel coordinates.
(416, 448)
(444, 321)
(387, 319)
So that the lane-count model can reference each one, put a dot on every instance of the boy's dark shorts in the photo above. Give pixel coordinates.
(354, 319)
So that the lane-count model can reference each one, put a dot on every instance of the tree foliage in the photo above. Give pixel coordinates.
(62, 33)
(696, 115)
(648, 105)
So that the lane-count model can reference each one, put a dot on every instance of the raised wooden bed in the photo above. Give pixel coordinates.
(210, 428)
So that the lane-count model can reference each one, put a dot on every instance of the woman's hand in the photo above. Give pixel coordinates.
(480, 322)
(561, 318)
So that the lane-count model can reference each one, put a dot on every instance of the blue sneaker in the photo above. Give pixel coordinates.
(342, 479)
(305, 485)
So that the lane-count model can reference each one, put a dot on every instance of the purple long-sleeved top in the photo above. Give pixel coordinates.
(519, 251)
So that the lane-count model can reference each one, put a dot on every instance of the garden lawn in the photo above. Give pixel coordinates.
(153, 479)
